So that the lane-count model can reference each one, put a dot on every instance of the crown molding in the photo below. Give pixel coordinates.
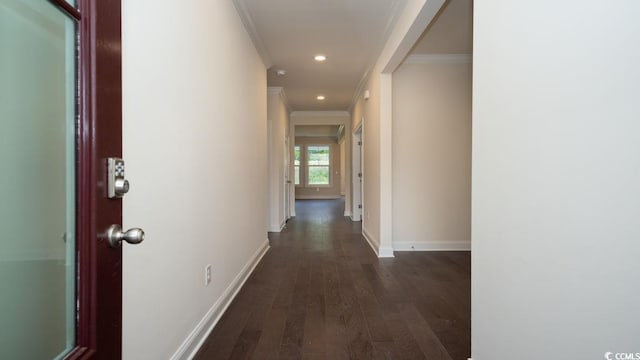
(249, 25)
(393, 18)
(320, 114)
(279, 90)
(364, 80)
(439, 59)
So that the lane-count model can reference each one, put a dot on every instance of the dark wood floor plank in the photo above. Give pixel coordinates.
(314, 329)
(360, 346)
(406, 345)
(221, 342)
(314, 356)
(292, 339)
(268, 346)
(384, 350)
(332, 298)
(337, 346)
(424, 336)
(245, 344)
(321, 293)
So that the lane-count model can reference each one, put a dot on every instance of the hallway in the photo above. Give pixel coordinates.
(321, 293)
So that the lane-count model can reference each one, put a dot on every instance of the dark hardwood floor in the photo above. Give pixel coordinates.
(321, 293)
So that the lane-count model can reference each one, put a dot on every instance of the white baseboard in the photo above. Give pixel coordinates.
(276, 228)
(356, 218)
(196, 338)
(347, 213)
(381, 252)
(372, 242)
(317, 197)
(385, 252)
(432, 245)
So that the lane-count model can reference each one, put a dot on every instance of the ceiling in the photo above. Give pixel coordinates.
(350, 33)
(451, 31)
(289, 33)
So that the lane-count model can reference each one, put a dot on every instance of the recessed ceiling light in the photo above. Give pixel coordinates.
(320, 58)
(320, 97)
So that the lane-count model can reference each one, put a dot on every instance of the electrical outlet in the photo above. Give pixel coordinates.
(207, 275)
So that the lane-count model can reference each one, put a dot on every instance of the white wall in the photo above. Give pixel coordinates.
(377, 114)
(278, 123)
(195, 119)
(556, 180)
(432, 154)
(368, 111)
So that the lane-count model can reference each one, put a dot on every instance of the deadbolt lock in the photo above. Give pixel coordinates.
(117, 184)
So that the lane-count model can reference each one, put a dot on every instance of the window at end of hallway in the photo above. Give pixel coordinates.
(318, 160)
(296, 164)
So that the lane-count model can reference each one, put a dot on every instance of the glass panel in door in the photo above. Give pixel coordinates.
(37, 180)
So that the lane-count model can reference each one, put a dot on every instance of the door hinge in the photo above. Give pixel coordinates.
(360, 143)
(360, 206)
(359, 175)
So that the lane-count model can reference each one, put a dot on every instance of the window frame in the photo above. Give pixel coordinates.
(307, 166)
(300, 167)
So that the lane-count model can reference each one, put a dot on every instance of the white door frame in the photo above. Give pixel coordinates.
(357, 177)
(287, 179)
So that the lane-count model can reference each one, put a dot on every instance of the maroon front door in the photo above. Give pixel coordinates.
(99, 136)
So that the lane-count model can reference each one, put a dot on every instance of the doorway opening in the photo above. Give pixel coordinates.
(321, 157)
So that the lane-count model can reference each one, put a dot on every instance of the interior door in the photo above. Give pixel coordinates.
(60, 106)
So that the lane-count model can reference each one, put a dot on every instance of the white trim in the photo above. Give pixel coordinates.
(347, 213)
(331, 165)
(439, 59)
(374, 245)
(317, 197)
(386, 166)
(279, 90)
(358, 127)
(320, 114)
(392, 19)
(249, 25)
(196, 338)
(355, 218)
(360, 89)
(357, 167)
(432, 246)
(415, 18)
(274, 90)
(385, 252)
(381, 252)
(275, 228)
